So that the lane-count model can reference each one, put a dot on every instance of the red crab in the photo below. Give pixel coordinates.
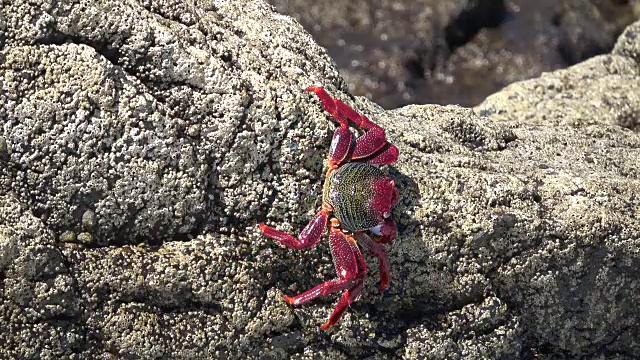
(357, 201)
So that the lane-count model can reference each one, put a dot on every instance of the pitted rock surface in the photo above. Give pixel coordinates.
(140, 143)
(160, 120)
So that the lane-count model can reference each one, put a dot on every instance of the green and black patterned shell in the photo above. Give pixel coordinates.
(349, 191)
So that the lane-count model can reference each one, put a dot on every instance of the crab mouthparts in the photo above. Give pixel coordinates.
(377, 230)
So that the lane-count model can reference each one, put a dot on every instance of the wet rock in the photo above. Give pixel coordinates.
(456, 52)
(590, 28)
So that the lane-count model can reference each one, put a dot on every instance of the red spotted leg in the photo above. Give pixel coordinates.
(309, 236)
(347, 244)
(379, 251)
(388, 155)
(340, 145)
(372, 146)
(348, 269)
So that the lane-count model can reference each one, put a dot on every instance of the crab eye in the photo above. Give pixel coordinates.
(386, 215)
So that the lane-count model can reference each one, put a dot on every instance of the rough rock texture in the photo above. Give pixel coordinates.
(155, 120)
(140, 143)
(456, 51)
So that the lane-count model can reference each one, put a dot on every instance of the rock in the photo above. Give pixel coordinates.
(88, 220)
(627, 44)
(482, 331)
(518, 220)
(456, 52)
(4, 149)
(39, 303)
(384, 48)
(68, 237)
(590, 28)
(103, 123)
(85, 238)
(599, 91)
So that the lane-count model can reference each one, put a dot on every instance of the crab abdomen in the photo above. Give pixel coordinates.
(350, 190)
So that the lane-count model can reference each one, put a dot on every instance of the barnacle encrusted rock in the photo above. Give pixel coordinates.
(141, 142)
(158, 119)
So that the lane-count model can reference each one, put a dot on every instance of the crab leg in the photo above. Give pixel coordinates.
(370, 144)
(378, 250)
(326, 288)
(342, 137)
(352, 293)
(340, 145)
(351, 270)
(386, 156)
(309, 237)
(341, 111)
(343, 304)
(346, 267)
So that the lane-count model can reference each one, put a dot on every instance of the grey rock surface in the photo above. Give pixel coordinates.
(140, 143)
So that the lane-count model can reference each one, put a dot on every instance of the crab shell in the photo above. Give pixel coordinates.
(362, 198)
